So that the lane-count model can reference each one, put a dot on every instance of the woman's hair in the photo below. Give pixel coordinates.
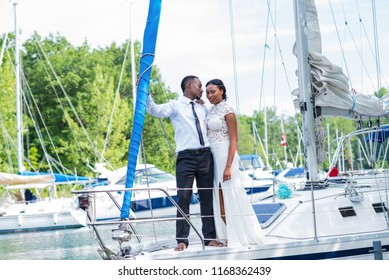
(220, 85)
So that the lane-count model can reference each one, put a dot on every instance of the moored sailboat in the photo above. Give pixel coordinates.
(316, 221)
(22, 208)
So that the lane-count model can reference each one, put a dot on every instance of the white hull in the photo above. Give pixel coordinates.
(324, 248)
(291, 231)
(43, 215)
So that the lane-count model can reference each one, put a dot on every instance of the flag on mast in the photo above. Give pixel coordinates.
(283, 140)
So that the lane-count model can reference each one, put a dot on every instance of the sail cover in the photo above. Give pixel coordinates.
(60, 178)
(13, 179)
(146, 61)
(331, 88)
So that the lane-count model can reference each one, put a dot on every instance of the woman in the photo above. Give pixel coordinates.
(235, 220)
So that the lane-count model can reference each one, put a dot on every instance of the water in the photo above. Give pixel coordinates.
(65, 244)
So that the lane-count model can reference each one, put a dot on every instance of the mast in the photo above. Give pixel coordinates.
(306, 100)
(284, 144)
(329, 144)
(266, 136)
(305, 96)
(19, 124)
(234, 58)
(146, 61)
(133, 76)
(256, 135)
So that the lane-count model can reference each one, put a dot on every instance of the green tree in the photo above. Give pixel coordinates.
(383, 91)
(7, 117)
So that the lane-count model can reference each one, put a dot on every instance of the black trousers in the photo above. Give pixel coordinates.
(197, 164)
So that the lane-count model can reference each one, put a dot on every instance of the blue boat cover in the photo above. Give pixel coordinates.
(146, 61)
(58, 178)
(380, 135)
(296, 171)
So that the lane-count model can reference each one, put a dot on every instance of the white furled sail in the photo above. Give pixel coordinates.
(331, 89)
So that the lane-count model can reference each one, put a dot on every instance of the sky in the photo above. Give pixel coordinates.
(247, 49)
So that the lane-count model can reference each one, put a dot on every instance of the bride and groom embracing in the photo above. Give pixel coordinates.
(206, 147)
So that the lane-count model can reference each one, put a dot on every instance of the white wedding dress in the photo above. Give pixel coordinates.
(242, 226)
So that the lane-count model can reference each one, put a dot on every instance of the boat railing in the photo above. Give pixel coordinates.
(86, 194)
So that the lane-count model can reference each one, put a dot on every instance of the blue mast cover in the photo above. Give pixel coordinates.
(146, 61)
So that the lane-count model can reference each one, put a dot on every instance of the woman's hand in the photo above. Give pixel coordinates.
(227, 174)
(200, 101)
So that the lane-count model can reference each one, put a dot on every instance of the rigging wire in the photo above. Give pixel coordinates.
(30, 114)
(275, 86)
(114, 103)
(8, 143)
(3, 47)
(277, 46)
(60, 104)
(376, 45)
(375, 53)
(340, 43)
(172, 151)
(5, 39)
(70, 104)
(234, 58)
(149, 199)
(367, 40)
(5, 133)
(33, 116)
(66, 116)
(281, 55)
(261, 92)
(347, 25)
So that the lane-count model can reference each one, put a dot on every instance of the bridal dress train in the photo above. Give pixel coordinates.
(242, 226)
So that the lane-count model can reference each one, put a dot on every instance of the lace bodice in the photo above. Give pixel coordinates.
(216, 124)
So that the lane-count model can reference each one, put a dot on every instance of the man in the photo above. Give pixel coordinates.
(194, 157)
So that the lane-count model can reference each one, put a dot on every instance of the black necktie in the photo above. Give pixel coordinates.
(197, 124)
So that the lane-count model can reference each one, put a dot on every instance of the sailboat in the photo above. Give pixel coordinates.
(343, 220)
(256, 175)
(22, 208)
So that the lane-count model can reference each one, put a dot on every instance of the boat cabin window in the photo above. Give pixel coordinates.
(150, 176)
(347, 211)
(296, 172)
(248, 162)
(267, 213)
(379, 207)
